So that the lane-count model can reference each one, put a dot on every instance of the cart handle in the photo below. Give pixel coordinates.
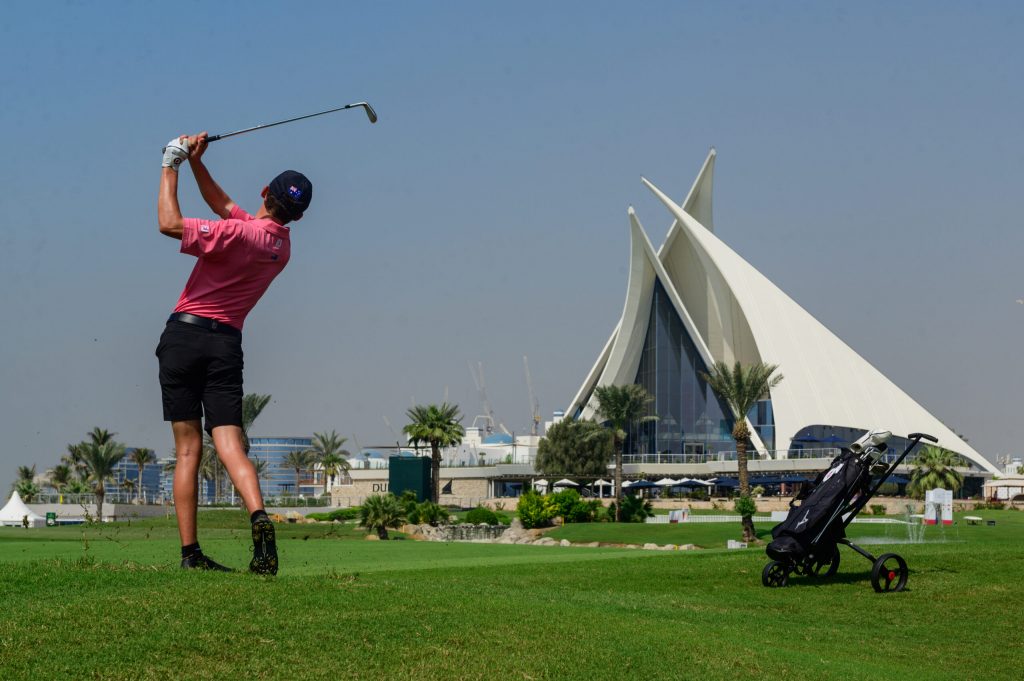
(923, 436)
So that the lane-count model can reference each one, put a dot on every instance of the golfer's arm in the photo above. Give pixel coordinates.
(215, 197)
(168, 213)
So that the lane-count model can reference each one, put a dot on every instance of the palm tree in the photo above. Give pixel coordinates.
(76, 486)
(210, 467)
(935, 467)
(261, 470)
(621, 407)
(101, 459)
(142, 457)
(26, 473)
(327, 451)
(101, 436)
(59, 476)
(381, 511)
(73, 459)
(26, 489)
(297, 461)
(440, 426)
(742, 388)
(128, 485)
(252, 406)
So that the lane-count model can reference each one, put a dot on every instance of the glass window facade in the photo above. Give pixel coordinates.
(278, 479)
(126, 469)
(691, 418)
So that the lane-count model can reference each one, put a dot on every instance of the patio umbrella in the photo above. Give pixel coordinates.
(730, 483)
(565, 482)
(695, 484)
(641, 484)
(667, 482)
(540, 484)
(600, 485)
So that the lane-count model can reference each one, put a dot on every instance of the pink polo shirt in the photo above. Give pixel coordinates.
(237, 260)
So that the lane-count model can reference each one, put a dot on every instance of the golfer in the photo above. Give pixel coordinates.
(200, 351)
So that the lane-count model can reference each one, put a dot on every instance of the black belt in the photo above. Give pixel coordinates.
(204, 322)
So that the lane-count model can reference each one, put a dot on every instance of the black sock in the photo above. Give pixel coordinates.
(189, 550)
(256, 515)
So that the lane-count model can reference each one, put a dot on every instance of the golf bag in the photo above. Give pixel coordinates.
(807, 542)
(846, 478)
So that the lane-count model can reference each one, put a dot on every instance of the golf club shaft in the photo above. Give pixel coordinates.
(370, 113)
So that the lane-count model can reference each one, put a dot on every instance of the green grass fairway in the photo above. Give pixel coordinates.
(110, 603)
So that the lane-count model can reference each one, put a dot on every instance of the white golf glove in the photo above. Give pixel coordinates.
(175, 153)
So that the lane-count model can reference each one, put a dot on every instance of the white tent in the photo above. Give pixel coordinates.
(1005, 488)
(15, 512)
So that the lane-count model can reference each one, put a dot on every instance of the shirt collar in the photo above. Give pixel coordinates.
(274, 228)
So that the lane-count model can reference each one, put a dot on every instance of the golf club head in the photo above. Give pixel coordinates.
(370, 113)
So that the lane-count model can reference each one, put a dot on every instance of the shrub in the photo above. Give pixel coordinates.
(427, 513)
(878, 509)
(408, 500)
(635, 509)
(350, 513)
(573, 508)
(481, 514)
(340, 514)
(745, 506)
(757, 491)
(994, 505)
(564, 501)
(380, 512)
(535, 510)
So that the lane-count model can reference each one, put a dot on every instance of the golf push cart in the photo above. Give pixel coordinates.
(807, 541)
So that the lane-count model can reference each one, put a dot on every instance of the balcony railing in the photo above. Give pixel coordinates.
(711, 457)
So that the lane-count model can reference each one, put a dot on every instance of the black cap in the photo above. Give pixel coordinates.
(293, 191)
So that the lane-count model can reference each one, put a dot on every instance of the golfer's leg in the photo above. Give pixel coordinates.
(188, 449)
(231, 450)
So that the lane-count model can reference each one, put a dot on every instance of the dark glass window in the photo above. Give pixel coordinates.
(691, 418)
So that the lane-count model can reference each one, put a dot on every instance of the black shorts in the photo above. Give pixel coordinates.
(200, 374)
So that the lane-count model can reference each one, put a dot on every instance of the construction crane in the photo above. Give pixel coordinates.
(534, 405)
(398, 440)
(478, 379)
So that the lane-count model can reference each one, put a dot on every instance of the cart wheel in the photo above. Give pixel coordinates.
(889, 573)
(775, 574)
(824, 566)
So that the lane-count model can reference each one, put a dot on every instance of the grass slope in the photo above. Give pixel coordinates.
(345, 609)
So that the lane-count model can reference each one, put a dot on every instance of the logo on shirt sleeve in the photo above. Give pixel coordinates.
(277, 244)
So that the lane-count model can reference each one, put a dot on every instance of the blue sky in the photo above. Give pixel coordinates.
(870, 163)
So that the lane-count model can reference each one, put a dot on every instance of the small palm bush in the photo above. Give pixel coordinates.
(381, 512)
(428, 513)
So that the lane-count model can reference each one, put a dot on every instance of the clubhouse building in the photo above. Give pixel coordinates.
(693, 302)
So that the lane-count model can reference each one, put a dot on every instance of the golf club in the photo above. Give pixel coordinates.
(370, 113)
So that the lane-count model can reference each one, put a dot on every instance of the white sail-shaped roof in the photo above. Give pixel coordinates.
(733, 312)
